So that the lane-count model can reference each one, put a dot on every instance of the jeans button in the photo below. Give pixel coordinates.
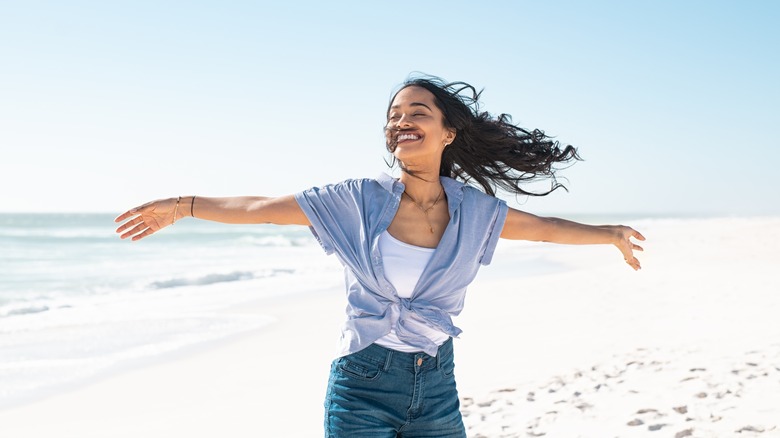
(419, 362)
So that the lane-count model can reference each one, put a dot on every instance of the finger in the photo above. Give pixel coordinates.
(126, 215)
(627, 250)
(637, 235)
(634, 263)
(136, 229)
(131, 223)
(636, 247)
(143, 234)
(130, 233)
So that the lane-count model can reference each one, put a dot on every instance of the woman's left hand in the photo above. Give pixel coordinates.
(627, 247)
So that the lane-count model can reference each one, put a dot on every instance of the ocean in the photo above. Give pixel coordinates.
(76, 301)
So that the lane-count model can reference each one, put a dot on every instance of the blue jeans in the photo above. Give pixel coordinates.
(378, 392)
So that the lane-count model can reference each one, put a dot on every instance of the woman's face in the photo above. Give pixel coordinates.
(415, 128)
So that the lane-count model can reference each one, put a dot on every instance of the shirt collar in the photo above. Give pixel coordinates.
(388, 182)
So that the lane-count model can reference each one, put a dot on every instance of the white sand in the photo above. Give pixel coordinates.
(689, 346)
(605, 352)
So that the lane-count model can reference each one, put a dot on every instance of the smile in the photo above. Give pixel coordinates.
(404, 137)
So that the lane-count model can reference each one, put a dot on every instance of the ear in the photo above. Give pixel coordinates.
(450, 137)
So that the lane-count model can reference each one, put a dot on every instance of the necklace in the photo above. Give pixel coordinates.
(426, 210)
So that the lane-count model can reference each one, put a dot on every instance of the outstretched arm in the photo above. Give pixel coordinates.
(153, 216)
(525, 226)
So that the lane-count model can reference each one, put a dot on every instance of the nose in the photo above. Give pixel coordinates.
(403, 121)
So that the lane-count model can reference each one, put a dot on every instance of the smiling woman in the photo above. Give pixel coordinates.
(492, 152)
(416, 129)
(410, 247)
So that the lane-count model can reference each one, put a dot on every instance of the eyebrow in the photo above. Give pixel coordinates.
(413, 104)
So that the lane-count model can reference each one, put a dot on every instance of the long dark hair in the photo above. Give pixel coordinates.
(489, 151)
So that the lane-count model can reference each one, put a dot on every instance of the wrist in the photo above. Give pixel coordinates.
(184, 207)
(616, 234)
(177, 203)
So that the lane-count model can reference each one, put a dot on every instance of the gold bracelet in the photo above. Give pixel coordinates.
(176, 210)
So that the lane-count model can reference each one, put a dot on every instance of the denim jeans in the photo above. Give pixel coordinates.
(378, 392)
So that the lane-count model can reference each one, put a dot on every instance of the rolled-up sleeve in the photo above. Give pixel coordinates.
(496, 225)
(334, 213)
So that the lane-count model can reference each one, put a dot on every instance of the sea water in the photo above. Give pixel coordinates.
(77, 301)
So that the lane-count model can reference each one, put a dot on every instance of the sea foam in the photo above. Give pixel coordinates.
(76, 301)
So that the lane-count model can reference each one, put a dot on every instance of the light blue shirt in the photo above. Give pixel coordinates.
(347, 219)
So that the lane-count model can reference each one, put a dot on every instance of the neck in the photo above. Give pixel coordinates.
(423, 188)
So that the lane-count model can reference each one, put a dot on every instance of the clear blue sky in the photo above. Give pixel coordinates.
(105, 105)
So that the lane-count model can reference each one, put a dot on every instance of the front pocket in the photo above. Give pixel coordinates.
(359, 368)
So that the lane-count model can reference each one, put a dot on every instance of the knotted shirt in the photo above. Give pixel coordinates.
(347, 219)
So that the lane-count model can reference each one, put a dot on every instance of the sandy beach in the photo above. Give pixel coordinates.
(581, 347)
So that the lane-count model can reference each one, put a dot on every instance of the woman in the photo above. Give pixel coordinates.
(410, 247)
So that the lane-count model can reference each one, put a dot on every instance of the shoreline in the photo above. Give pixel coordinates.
(178, 393)
(706, 295)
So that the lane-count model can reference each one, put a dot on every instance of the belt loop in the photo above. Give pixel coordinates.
(439, 353)
(444, 349)
(388, 359)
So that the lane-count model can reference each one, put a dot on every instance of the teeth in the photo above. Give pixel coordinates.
(408, 137)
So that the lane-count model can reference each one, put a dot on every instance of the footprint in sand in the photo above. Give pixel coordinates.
(683, 433)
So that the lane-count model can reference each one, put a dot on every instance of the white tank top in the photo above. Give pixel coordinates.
(403, 265)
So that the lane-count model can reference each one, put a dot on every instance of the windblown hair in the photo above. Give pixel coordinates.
(489, 151)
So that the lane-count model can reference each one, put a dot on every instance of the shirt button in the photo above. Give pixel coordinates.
(419, 362)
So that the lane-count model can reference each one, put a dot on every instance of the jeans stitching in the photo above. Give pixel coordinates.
(355, 370)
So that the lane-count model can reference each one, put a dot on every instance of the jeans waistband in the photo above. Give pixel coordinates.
(399, 359)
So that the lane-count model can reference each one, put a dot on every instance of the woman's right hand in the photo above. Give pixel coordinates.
(149, 218)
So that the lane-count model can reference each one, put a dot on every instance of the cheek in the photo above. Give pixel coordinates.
(389, 142)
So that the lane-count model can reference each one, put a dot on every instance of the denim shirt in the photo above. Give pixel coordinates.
(347, 219)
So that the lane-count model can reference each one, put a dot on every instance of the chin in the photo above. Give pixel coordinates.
(406, 158)
(414, 153)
